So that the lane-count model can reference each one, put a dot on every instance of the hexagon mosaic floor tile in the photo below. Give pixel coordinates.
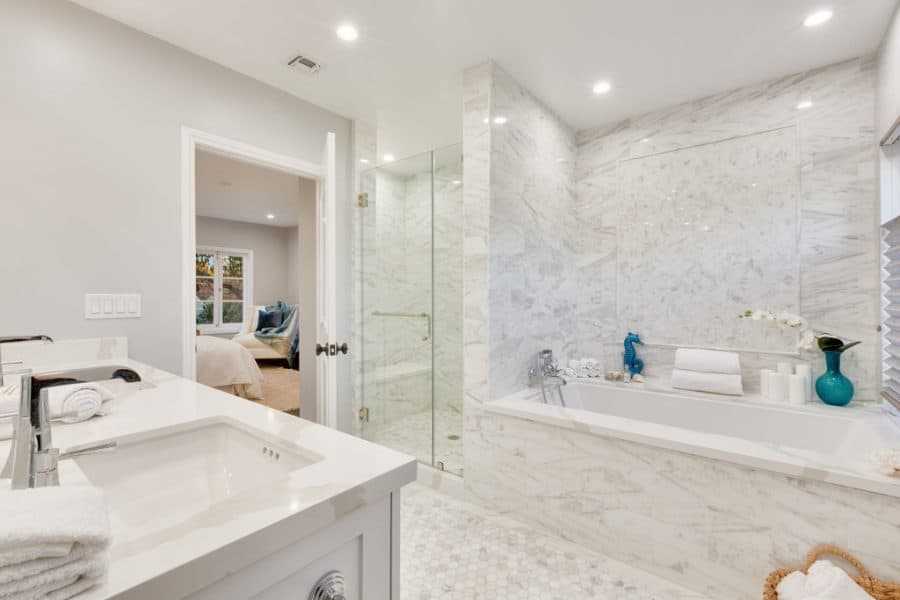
(453, 550)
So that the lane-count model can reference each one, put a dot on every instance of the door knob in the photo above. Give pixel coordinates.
(321, 349)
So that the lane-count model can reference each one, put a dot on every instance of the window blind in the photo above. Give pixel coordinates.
(890, 389)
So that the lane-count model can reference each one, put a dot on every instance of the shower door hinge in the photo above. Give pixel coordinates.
(364, 415)
(363, 200)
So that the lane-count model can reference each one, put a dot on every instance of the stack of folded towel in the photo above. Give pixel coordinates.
(707, 371)
(53, 542)
(823, 581)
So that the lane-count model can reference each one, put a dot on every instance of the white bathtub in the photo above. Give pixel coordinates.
(813, 441)
(708, 491)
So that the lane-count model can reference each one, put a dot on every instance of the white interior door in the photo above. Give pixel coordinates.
(326, 292)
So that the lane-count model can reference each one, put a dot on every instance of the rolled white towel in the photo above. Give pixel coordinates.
(823, 581)
(69, 403)
(77, 402)
(716, 383)
(707, 361)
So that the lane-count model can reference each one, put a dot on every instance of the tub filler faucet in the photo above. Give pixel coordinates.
(546, 373)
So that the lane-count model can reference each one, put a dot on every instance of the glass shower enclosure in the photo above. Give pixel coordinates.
(412, 266)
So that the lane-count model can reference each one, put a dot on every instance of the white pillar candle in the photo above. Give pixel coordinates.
(786, 369)
(797, 389)
(805, 369)
(777, 387)
(764, 382)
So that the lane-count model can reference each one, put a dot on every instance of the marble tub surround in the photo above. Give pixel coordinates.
(829, 271)
(817, 443)
(711, 525)
(151, 559)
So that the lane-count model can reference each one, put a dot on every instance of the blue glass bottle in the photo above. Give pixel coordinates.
(832, 386)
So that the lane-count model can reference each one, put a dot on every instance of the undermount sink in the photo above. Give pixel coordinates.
(163, 480)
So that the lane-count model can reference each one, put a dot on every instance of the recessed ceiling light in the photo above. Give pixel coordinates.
(364, 161)
(602, 87)
(817, 18)
(499, 120)
(388, 158)
(456, 182)
(804, 104)
(645, 140)
(347, 32)
(270, 216)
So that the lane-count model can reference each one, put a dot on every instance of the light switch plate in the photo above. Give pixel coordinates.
(112, 306)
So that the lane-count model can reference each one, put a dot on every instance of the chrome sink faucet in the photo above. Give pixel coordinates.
(32, 461)
(547, 373)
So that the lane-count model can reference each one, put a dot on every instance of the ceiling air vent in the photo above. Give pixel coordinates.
(305, 64)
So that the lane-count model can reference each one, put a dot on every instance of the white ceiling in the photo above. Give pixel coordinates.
(238, 191)
(404, 72)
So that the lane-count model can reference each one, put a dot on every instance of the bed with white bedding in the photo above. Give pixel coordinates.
(228, 366)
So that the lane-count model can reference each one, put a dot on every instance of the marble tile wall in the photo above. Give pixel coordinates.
(838, 244)
(706, 232)
(476, 243)
(532, 250)
(715, 527)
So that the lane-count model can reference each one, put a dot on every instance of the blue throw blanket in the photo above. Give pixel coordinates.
(270, 335)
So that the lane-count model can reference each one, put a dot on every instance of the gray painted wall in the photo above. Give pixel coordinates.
(271, 278)
(91, 116)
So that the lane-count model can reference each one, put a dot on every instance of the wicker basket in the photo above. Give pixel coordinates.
(880, 590)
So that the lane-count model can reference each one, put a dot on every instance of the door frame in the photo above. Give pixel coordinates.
(191, 141)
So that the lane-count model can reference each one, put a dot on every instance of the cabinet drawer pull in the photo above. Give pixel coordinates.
(329, 587)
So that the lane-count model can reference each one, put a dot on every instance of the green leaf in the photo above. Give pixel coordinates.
(848, 345)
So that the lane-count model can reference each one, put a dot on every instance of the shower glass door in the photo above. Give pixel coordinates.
(412, 307)
(397, 306)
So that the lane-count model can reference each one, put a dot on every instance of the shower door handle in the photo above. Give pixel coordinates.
(343, 348)
(322, 349)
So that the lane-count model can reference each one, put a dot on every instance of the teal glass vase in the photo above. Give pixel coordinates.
(832, 386)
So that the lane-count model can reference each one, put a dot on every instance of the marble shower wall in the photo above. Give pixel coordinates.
(532, 249)
(518, 248)
(838, 246)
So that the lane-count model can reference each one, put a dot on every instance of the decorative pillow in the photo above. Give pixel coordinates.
(269, 319)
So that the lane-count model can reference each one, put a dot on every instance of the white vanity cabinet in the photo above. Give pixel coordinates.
(362, 546)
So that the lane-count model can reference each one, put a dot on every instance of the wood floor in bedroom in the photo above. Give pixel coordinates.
(281, 388)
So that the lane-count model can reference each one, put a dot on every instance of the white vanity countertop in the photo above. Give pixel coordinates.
(154, 564)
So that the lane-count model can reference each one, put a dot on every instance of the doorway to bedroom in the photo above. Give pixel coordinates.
(254, 280)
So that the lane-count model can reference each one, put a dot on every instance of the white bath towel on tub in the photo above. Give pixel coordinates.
(714, 383)
(707, 361)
